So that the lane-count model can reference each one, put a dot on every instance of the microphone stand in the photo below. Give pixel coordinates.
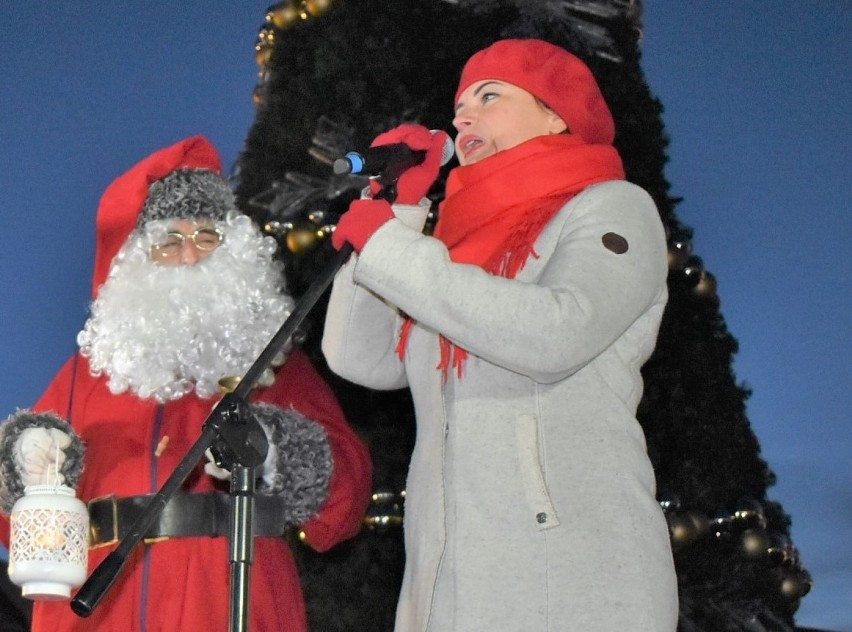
(237, 441)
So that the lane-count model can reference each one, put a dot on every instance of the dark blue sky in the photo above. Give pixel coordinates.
(757, 105)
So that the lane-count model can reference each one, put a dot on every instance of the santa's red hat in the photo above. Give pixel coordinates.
(553, 75)
(122, 202)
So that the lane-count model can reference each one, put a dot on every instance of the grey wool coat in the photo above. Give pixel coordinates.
(530, 497)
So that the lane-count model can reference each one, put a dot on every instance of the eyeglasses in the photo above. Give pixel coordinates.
(205, 239)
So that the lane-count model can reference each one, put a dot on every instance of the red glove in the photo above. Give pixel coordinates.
(414, 183)
(358, 224)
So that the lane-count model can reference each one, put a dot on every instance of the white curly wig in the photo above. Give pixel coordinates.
(162, 331)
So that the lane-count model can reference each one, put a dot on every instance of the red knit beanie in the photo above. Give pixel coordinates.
(553, 75)
(122, 201)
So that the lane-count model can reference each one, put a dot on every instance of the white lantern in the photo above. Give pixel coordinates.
(48, 552)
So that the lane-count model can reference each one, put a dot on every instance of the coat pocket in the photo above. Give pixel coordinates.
(542, 512)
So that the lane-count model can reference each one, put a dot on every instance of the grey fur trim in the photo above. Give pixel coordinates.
(299, 466)
(188, 194)
(11, 487)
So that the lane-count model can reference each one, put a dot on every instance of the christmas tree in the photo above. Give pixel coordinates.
(334, 74)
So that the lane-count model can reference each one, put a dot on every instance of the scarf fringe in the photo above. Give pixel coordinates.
(452, 356)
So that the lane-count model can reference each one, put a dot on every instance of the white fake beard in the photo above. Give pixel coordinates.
(160, 331)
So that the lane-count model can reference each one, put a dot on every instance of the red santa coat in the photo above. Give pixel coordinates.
(183, 583)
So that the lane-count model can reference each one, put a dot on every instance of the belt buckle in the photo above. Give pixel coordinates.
(94, 535)
(95, 541)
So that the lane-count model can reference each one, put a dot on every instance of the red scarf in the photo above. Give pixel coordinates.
(496, 208)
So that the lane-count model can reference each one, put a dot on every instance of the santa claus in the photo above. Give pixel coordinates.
(186, 292)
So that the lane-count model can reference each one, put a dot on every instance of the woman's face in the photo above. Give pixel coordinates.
(494, 115)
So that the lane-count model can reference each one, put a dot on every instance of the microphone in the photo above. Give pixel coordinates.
(388, 161)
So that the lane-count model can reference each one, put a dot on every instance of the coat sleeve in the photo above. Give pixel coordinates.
(361, 330)
(607, 268)
(299, 386)
(360, 336)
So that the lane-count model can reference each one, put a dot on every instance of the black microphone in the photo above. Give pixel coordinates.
(388, 161)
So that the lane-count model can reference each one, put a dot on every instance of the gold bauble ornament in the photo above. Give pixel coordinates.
(754, 543)
(300, 240)
(692, 270)
(794, 587)
(257, 95)
(685, 527)
(316, 7)
(283, 14)
(706, 285)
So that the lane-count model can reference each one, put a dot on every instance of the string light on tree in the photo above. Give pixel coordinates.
(264, 46)
(680, 250)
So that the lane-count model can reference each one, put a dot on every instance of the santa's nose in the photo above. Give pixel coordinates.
(190, 254)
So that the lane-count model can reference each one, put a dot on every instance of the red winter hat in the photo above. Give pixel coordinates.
(122, 201)
(553, 75)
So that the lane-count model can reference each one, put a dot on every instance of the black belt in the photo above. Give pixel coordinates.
(184, 516)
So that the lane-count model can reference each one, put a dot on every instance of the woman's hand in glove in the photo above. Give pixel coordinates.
(414, 183)
(358, 224)
(365, 217)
